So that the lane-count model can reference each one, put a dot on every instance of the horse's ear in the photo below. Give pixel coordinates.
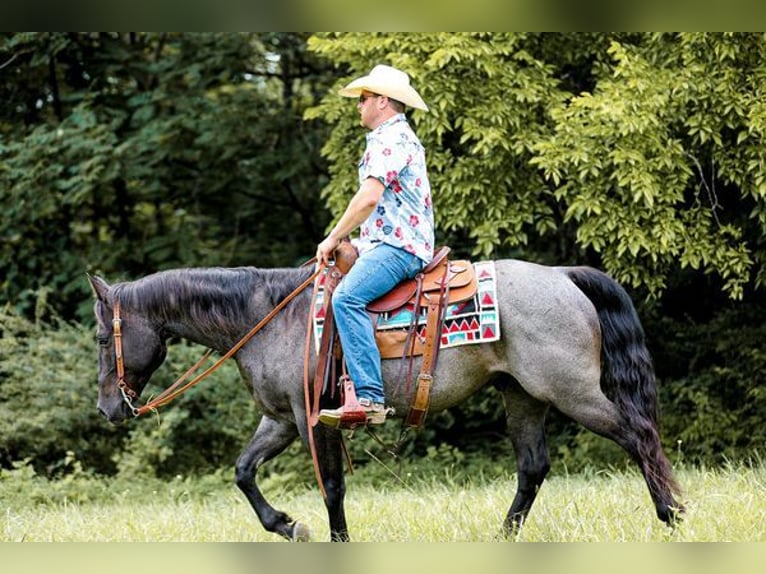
(99, 286)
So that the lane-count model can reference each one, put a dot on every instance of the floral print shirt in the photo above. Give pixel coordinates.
(404, 216)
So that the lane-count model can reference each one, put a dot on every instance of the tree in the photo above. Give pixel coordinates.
(128, 153)
(662, 165)
(654, 165)
(478, 133)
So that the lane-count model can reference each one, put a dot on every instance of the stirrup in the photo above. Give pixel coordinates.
(354, 412)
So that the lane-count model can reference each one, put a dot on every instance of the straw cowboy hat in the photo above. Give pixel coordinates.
(386, 81)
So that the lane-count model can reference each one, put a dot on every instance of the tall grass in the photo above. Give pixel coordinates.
(727, 504)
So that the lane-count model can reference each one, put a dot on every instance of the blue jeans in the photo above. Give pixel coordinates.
(374, 274)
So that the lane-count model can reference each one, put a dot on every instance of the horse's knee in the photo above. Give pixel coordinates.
(244, 473)
(272, 520)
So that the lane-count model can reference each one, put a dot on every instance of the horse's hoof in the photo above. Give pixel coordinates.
(301, 532)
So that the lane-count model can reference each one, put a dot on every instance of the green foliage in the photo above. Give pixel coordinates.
(656, 165)
(714, 384)
(645, 150)
(128, 153)
(47, 401)
(48, 416)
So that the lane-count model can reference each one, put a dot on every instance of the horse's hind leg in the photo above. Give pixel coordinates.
(639, 437)
(526, 421)
(270, 438)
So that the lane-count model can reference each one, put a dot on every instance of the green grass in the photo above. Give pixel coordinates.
(722, 505)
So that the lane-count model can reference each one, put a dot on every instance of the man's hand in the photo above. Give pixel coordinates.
(325, 250)
(358, 209)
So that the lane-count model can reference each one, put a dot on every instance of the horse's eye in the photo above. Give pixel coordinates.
(102, 341)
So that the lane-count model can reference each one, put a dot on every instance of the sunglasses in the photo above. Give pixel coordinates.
(363, 97)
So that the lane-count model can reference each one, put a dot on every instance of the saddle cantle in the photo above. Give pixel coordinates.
(461, 285)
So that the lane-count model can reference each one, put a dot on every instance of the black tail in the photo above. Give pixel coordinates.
(627, 375)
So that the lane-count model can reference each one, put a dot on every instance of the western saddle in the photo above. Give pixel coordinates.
(441, 283)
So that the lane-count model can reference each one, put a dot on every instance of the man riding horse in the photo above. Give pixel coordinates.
(394, 212)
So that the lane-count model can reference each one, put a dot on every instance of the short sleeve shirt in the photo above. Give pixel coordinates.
(404, 215)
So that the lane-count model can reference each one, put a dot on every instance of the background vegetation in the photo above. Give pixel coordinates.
(123, 154)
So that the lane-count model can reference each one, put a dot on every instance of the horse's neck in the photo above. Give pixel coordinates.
(218, 308)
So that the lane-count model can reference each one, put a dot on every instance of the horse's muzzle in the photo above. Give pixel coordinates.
(115, 416)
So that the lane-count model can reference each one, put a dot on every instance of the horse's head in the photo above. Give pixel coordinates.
(120, 381)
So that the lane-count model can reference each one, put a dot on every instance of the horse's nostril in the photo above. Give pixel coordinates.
(103, 413)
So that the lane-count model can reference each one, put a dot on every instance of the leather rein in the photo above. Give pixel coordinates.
(129, 395)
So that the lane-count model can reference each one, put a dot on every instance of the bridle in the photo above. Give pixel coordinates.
(126, 390)
(129, 394)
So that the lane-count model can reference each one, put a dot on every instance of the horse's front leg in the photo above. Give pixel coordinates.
(330, 455)
(270, 438)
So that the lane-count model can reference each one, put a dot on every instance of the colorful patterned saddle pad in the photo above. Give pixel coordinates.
(473, 321)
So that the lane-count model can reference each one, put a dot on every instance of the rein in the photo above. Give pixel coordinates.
(177, 388)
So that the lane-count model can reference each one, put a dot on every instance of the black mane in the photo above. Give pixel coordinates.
(213, 295)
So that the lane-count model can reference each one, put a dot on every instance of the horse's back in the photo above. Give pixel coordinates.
(549, 334)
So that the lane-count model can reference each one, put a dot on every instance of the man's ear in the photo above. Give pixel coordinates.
(99, 286)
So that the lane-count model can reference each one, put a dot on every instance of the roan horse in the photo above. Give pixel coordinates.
(570, 338)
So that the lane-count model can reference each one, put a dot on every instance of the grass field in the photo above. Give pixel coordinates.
(722, 505)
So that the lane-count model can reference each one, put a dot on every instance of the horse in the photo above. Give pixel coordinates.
(570, 339)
